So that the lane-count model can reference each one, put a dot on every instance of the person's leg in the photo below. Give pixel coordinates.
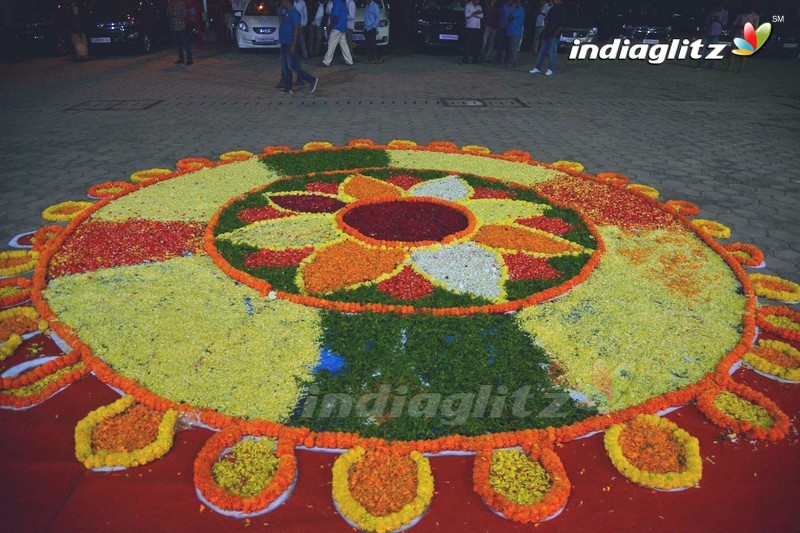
(348, 58)
(543, 50)
(302, 40)
(488, 43)
(553, 52)
(466, 45)
(187, 43)
(302, 75)
(372, 47)
(537, 39)
(499, 45)
(176, 36)
(286, 72)
(333, 42)
(513, 47)
(350, 42)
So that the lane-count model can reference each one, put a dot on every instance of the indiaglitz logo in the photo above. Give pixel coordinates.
(753, 39)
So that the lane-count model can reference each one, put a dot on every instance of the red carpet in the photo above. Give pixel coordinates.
(745, 487)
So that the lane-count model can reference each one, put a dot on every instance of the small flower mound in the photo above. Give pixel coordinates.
(682, 207)
(143, 176)
(524, 487)
(236, 155)
(775, 358)
(20, 320)
(740, 409)
(396, 489)
(399, 144)
(775, 288)
(655, 453)
(782, 321)
(248, 468)
(317, 145)
(745, 254)
(193, 163)
(65, 211)
(612, 178)
(8, 348)
(45, 235)
(13, 262)
(109, 188)
(474, 149)
(122, 435)
(14, 291)
(518, 478)
(567, 166)
(715, 229)
(644, 189)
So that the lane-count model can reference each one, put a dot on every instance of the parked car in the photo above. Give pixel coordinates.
(29, 28)
(125, 25)
(439, 23)
(258, 26)
(578, 25)
(382, 37)
(642, 22)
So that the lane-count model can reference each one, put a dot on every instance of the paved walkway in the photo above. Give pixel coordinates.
(728, 142)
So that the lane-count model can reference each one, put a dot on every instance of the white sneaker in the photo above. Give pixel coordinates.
(548, 73)
(535, 71)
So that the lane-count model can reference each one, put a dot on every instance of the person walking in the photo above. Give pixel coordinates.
(553, 23)
(176, 12)
(491, 19)
(501, 43)
(337, 26)
(300, 6)
(735, 61)
(472, 31)
(514, 32)
(351, 23)
(288, 35)
(317, 30)
(715, 21)
(372, 17)
(544, 8)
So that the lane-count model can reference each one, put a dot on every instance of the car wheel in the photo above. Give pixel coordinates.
(146, 44)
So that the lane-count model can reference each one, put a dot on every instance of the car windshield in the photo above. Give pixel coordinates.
(264, 8)
(452, 5)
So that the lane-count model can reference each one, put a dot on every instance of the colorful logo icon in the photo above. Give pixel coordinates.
(753, 39)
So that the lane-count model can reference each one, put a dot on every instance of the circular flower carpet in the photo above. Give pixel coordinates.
(395, 302)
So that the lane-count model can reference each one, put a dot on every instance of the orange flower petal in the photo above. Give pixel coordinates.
(362, 187)
(524, 240)
(347, 263)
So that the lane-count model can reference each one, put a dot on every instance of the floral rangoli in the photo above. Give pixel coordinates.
(392, 303)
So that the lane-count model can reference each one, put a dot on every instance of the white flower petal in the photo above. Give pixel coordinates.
(465, 268)
(451, 188)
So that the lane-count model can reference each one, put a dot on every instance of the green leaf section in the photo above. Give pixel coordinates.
(229, 221)
(290, 164)
(424, 377)
(281, 278)
(569, 266)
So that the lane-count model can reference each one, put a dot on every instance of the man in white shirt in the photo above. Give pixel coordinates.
(537, 36)
(351, 23)
(472, 31)
(300, 5)
(317, 30)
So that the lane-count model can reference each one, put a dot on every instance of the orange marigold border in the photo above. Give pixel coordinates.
(40, 372)
(756, 255)
(705, 403)
(24, 284)
(779, 310)
(341, 440)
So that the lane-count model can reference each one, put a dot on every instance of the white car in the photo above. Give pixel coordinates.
(258, 27)
(382, 37)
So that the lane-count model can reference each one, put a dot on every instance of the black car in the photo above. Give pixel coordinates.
(439, 23)
(33, 28)
(579, 25)
(125, 25)
(641, 22)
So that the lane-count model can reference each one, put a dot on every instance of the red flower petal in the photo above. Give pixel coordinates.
(321, 186)
(407, 285)
(281, 258)
(523, 266)
(483, 192)
(404, 181)
(308, 203)
(254, 214)
(553, 225)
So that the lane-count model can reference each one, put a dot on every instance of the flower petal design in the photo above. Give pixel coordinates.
(524, 266)
(511, 237)
(490, 211)
(404, 181)
(451, 188)
(407, 285)
(554, 225)
(361, 187)
(307, 203)
(463, 268)
(307, 229)
(347, 263)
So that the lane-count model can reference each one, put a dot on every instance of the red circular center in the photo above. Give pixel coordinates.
(406, 220)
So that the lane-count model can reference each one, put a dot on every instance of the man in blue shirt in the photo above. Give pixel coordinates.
(372, 16)
(288, 35)
(502, 36)
(514, 32)
(337, 34)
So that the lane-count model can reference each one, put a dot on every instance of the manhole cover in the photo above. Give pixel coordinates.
(115, 105)
(482, 102)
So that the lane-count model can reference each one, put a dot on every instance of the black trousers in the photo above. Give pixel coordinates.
(371, 44)
(472, 45)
